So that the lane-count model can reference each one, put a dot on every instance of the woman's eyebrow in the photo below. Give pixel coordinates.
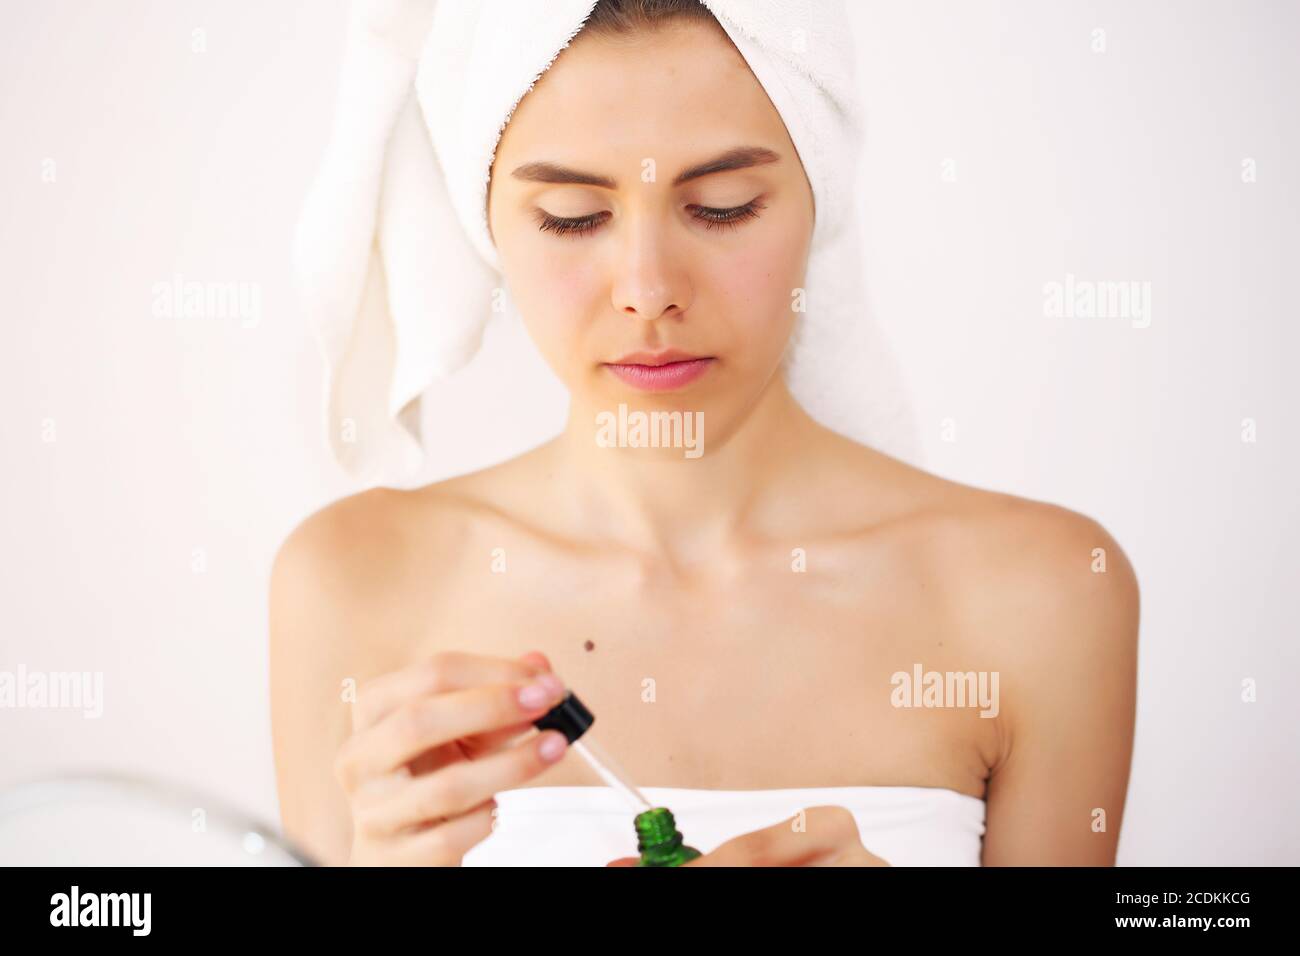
(741, 157)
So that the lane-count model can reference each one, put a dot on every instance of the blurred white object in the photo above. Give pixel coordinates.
(109, 819)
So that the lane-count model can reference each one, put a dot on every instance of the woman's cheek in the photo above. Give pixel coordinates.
(756, 288)
(555, 294)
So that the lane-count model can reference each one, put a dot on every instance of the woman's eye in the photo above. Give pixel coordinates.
(711, 218)
(569, 227)
(727, 218)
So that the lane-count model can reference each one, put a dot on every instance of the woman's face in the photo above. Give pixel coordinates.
(651, 263)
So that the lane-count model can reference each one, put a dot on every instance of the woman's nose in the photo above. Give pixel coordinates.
(650, 280)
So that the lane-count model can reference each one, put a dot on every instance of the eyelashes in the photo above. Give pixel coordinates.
(710, 217)
(568, 227)
(727, 218)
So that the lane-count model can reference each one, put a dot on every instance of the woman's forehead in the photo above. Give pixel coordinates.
(673, 94)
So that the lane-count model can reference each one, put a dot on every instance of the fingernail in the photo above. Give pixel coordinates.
(552, 683)
(553, 746)
(536, 694)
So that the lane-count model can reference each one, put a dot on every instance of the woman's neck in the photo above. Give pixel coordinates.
(662, 501)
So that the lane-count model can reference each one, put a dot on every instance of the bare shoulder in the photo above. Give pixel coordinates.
(364, 555)
(1004, 565)
(346, 593)
(364, 546)
(328, 577)
(349, 589)
(1029, 563)
(983, 537)
(1045, 599)
(1042, 594)
(343, 548)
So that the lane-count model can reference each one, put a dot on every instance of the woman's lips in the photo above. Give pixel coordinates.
(660, 377)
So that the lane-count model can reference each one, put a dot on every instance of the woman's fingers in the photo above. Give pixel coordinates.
(424, 724)
(816, 836)
(446, 843)
(760, 848)
(536, 660)
(456, 788)
(445, 671)
(414, 797)
(475, 745)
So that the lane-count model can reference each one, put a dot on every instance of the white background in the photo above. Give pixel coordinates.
(180, 435)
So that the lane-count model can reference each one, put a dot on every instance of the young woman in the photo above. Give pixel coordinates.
(737, 621)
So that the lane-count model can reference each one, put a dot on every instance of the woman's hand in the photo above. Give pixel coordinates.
(816, 836)
(431, 744)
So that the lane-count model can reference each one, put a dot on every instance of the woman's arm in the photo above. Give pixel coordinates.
(316, 621)
(1069, 633)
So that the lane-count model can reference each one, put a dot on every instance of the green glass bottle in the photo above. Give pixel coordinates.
(659, 841)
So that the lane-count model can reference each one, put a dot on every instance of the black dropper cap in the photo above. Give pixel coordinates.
(569, 717)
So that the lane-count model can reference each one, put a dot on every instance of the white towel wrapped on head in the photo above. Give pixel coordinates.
(393, 259)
